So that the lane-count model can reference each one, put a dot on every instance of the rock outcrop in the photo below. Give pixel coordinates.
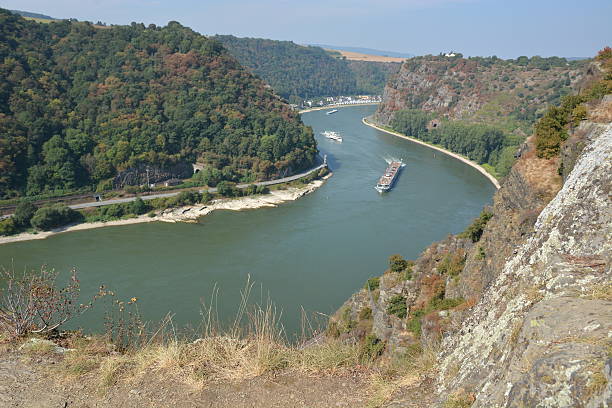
(477, 89)
(539, 336)
(522, 308)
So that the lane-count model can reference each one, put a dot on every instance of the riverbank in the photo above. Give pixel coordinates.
(459, 157)
(188, 213)
(336, 106)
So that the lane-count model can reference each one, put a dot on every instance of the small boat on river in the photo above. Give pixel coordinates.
(335, 136)
(331, 111)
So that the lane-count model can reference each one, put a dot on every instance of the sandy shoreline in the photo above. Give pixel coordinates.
(336, 106)
(188, 213)
(447, 152)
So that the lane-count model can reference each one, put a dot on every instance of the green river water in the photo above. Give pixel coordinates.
(311, 253)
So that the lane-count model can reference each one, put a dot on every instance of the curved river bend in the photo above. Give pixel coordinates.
(314, 252)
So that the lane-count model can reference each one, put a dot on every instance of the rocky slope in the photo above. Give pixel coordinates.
(522, 312)
(479, 89)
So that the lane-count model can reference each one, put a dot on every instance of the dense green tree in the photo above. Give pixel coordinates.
(81, 105)
(299, 72)
(24, 212)
(139, 207)
(397, 263)
(54, 216)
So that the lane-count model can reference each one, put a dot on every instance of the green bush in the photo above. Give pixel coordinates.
(397, 306)
(475, 230)
(438, 303)
(365, 313)
(227, 189)
(414, 325)
(8, 227)
(397, 263)
(371, 348)
(139, 207)
(451, 265)
(186, 198)
(54, 216)
(24, 212)
(372, 283)
(408, 271)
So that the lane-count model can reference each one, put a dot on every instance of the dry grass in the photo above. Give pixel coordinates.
(255, 344)
(597, 380)
(330, 356)
(602, 113)
(601, 292)
(460, 399)
(541, 174)
(38, 347)
(356, 56)
(393, 375)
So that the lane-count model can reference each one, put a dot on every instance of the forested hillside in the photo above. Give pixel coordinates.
(80, 104)
(298, 72)
(483, 108)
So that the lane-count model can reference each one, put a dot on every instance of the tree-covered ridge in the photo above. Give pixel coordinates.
(298, 72)
(291, 69)
(80, 104)
(553, 128)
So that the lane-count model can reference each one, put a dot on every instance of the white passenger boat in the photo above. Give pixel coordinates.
(332, 135)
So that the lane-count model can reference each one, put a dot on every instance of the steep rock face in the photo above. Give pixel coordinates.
(539, 334)
(476, 89)
(531, 184)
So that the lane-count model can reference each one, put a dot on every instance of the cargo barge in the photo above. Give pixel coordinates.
(386, 181)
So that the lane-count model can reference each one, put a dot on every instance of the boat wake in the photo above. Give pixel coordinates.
(390, 160)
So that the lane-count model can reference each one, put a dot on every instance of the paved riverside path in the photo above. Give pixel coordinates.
(210, 190)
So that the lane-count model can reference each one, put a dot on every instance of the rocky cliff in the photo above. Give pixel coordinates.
(479, 89)
(521, 303)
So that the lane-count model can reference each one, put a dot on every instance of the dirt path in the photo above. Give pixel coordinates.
(28, 382)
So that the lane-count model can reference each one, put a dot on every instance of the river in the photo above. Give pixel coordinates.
(311, 253)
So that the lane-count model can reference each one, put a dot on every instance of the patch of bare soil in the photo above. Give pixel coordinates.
(27, 381)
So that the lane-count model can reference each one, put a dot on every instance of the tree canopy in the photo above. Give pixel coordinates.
(299, 72)
(80, 104)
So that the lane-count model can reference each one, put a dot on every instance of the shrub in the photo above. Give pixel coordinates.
(227, 189)
(139, 207)
(397, 263)
(440, 303)
(186, 198)
(112, 211)
(365, 313)
(33, 303)
(54, 216)
(397, 306)
(414, 325)
(24, 212)
(451, 264)
(373, 283)
(475, 230)
(481, 253)
(408, 271)
(371, 348)
(8, 227)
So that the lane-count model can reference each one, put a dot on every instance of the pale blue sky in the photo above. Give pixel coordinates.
(507, 28)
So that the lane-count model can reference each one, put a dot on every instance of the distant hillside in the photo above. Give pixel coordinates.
(299, 72)
(33, 15)
(370, 51)
(483, 107)
(81, 107)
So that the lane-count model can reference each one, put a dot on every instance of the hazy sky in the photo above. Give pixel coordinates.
(507, 28)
